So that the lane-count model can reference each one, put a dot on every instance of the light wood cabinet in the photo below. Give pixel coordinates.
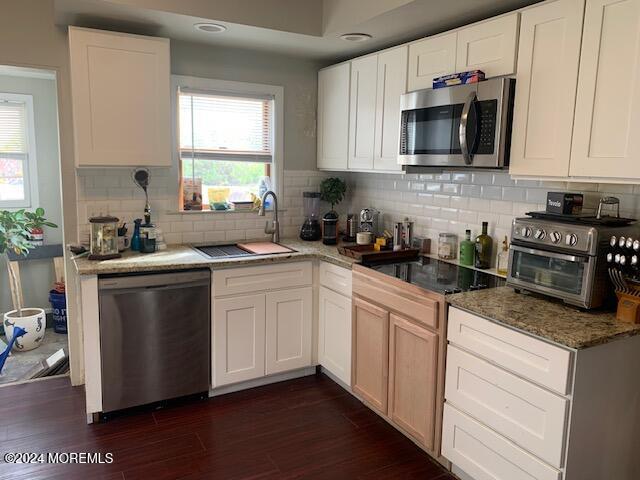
(607, 117)
(289, 317)
(413, 361)
(370, 354)
(489, 46)
(333, 117)
(121, 96)
(549, 50)
(362, 112)
(238, 339)
(430, 58)
(334, 333)
(392, 83)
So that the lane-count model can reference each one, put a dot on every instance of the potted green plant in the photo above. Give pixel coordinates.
(36, 223)
(15, 232)
(332, 190)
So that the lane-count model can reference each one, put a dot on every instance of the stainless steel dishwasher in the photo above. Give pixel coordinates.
(154, 337)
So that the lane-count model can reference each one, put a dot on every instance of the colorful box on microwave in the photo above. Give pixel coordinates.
(461, 78)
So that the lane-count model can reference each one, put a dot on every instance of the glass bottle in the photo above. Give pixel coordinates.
(467, 250)
(502, 261)
(484, 247)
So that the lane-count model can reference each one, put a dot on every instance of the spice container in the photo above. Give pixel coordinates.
(447, 246)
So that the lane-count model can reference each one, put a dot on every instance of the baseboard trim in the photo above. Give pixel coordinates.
(259, 382)
(336, 380)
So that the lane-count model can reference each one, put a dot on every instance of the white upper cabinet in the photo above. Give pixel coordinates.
(546, 80)
(121, 97)
(392, 82)
(489, 46)
(362, 109)
(607, 119)
(333, 117)
(431, 58)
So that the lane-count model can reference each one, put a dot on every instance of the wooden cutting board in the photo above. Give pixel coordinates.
(264, 248)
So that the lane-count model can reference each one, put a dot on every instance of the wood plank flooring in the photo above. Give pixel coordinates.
(308, 428)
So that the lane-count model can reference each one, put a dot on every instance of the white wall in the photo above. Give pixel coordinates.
(37, 276)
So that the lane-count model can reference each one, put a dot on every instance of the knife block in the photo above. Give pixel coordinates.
(628, 308)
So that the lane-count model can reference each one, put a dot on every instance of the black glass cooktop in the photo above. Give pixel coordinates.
(439, 276)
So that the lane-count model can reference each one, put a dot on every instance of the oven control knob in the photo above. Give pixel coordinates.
(556, 237)
(540, 234)
(636, 245)
(621, 242)
(571, 239)
(629, 243)
(609, 257)
(526, 231)
(614, 241)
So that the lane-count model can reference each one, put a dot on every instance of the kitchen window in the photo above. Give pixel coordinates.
(227, 141)
(18, 177)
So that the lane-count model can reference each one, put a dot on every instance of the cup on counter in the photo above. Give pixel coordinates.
(364, 238)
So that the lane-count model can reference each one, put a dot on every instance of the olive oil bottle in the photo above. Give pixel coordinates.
(484, 247)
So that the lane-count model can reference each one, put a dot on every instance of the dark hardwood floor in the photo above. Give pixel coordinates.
(307, 428)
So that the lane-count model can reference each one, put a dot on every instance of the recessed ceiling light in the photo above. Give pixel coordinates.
(356, 37)
(210, 27)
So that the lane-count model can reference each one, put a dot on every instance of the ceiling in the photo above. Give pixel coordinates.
(304, 28)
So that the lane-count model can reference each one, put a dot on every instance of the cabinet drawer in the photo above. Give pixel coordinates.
(265, 277)
(335, 278)
(526, 356)
(530, 416)
(484, 454)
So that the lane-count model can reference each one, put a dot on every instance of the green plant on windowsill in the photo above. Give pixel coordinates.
(332, 190)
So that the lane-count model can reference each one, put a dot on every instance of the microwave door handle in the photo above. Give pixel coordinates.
(464, 118)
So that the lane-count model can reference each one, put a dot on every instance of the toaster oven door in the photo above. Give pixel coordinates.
(564, 276)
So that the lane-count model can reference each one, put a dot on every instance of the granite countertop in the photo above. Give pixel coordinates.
(179, 257)
(547, 319)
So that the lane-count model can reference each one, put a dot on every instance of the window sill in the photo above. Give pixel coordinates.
(218, 212)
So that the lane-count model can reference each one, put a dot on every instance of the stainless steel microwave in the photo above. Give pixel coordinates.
(461, 126)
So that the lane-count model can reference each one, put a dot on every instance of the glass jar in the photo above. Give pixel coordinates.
(447, 246)
(104, 238)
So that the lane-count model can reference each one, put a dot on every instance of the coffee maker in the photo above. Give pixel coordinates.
(310, 229)
(369, 221)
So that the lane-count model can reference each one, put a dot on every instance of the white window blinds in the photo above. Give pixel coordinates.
(224, 126)
(13, 130)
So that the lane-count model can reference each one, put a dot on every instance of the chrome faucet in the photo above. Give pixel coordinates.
(274, 229)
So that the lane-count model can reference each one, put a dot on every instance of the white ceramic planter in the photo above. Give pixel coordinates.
(33, 320)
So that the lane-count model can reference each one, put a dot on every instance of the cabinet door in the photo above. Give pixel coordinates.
(392, 82)
(370, 353)
(333, 117)
(413, 358)
(238, 339)
(334, 334)
(121, 97)
(431, 58)
(549, 50)
(607, 118)
(489, 46)
(289, 324)
(362, 121)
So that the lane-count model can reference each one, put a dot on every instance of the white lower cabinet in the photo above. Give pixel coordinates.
(288, 334)
(334, 333)
(257, 333)
(238, 339)
(485, 455)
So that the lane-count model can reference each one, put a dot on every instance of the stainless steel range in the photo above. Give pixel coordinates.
(564, 258)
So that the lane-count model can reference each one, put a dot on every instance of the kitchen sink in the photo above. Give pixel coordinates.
(243, 250)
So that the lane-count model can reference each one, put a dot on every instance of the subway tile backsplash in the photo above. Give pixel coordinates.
(112, 191)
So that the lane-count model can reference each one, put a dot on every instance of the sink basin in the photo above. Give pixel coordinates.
(243, 249)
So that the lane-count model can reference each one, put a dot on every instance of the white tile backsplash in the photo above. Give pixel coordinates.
(111, 191)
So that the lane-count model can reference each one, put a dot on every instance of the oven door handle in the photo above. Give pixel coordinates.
(546, 253)
(464, 118)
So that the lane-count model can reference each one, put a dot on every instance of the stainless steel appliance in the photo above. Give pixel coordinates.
(461, 126)
(154, 337)
(563, 259)
(369, 221)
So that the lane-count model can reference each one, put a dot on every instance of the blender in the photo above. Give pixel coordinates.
(311, 230)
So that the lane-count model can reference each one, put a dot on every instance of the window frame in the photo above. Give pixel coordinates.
(233, 88)
(30, 166)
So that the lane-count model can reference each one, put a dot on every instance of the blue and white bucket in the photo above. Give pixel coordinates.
(59, 311)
